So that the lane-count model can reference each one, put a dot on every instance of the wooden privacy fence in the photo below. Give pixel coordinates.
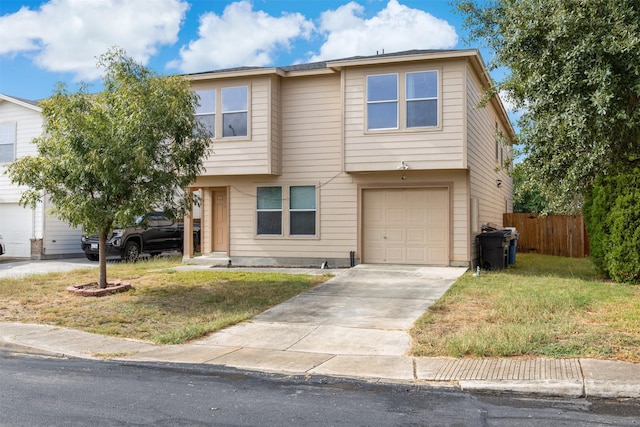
(561, 235)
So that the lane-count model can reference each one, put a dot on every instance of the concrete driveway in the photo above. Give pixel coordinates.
(366, 310)
(21, 267)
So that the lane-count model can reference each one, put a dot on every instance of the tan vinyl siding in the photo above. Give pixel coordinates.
(481, 138)
(456, 180)
(274, 126)
(310, 120)
(244, 155)
(426, 149)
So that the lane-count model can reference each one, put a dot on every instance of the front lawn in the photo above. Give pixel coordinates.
(165, 306)
(543, 306)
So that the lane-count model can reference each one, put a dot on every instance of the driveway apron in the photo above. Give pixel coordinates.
(365, 310)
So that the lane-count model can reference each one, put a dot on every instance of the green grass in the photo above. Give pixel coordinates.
(544, 306)
(164, 306)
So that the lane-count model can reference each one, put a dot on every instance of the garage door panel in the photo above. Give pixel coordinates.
(436, 217)
(416, 216)
(15, 229)
(376, 234)
(376, 216)
(414, 221)
(395, 216)
(395, 255)
(416, 235)
(395, 235)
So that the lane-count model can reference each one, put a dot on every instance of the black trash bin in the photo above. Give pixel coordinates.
(494, 249)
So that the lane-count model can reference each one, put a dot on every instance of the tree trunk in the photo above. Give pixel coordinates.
(102, 260)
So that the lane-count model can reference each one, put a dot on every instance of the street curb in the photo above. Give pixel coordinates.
(24, 349)
(551, 388)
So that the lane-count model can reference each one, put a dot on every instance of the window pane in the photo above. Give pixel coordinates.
(422, 85)
(303, 197)
(234, 124)
(234, 99)
(422, 113)
(382, 87)
(209, 122)
(303, 223)
(207, 101)
(270, 222)
(269, 197)
(6, 153)
(382, 116)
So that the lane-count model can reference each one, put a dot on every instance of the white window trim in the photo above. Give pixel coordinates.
(315, 210)
(222, 113)
(281, 210)
(402, 110)
(14, 142)
(218, 113)
(209, 113)
(407, 100)
(286, 212)
(386, 101)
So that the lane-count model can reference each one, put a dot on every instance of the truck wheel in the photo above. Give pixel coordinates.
(92, 257)
(131, 252)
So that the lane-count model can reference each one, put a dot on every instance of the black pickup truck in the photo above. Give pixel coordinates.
(152, 233)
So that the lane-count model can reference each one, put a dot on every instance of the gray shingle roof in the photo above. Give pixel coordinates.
(323, 64)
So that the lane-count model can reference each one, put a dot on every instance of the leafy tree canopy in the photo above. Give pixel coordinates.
(112, 156)
(575, 70)
(527, 197)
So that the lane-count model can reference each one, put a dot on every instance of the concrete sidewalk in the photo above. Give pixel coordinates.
(354, 325)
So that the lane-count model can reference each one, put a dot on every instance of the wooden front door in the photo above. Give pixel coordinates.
(220, 222)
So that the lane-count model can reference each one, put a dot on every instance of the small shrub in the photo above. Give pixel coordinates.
(623, 258)
(613, 223)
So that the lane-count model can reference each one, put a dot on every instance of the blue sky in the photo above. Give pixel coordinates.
(44, 42)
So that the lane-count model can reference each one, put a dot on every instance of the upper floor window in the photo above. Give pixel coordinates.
(234, 111)
(7, 142)
(415, 106)
(302, 210)
(206, 110)
(422, 99)
(269, 211)
(382, 101)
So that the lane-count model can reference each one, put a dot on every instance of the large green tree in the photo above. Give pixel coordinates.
(110, 157)
(573, 66)
(527, 197)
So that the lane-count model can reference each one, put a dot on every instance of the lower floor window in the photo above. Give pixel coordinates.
(269, 211)
(302, 210)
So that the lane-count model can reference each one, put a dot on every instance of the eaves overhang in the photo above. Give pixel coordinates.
(32, 105)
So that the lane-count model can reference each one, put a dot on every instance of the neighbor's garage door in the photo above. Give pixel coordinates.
(15, 229)
(406, 226)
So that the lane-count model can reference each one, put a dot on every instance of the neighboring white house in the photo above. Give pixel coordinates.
(27, 232)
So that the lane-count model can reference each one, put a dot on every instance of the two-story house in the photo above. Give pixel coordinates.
(29, 233)
(378, 159)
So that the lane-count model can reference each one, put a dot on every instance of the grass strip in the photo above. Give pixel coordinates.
(165, 306)
(543, 306)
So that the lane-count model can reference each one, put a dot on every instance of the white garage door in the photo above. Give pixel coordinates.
(15, 229)
(406, 226)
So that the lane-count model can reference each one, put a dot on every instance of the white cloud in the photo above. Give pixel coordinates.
(240, 36)
(68, 35)
(395, 28)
